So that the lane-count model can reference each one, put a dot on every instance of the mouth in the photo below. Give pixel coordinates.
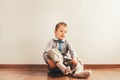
(62, 37)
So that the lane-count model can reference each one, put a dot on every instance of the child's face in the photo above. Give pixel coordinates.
(61, 32)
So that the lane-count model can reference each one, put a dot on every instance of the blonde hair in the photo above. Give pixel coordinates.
(59, 24)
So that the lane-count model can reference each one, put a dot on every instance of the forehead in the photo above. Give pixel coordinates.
(62, 27)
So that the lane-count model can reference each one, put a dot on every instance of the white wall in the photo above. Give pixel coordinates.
(27, 25)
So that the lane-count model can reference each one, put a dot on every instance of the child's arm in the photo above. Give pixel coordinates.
(73, 54)
(71, 50)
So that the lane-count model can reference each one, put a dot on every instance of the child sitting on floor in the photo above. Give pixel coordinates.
(57, 58)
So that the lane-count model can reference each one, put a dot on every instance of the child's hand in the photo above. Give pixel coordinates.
(74, 61)
(51, 63)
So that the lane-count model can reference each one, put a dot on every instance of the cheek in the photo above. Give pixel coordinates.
(57, 34)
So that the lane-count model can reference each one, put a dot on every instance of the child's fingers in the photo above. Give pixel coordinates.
(74, 61)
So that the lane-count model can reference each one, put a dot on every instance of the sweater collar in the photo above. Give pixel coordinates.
(56, 39)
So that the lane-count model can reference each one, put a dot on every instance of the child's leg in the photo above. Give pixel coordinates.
(79, 70)
(79, 65)
(55, 55)
(57, 58)
(74, 67)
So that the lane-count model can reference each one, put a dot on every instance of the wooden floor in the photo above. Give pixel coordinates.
(41, 74)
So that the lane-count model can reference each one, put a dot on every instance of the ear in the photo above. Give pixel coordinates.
(54, 32)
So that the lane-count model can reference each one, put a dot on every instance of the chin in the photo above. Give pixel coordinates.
(62, 38)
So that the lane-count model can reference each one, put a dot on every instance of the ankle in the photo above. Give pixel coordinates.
(67, 71)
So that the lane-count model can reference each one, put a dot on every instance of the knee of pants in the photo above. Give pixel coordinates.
(54, 54)
(51, 52)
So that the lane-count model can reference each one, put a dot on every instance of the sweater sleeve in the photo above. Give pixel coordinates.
(71, 50)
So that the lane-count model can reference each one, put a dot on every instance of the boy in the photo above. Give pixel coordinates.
(57, 58)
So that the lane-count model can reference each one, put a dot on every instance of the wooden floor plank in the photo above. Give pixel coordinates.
(41, 74)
